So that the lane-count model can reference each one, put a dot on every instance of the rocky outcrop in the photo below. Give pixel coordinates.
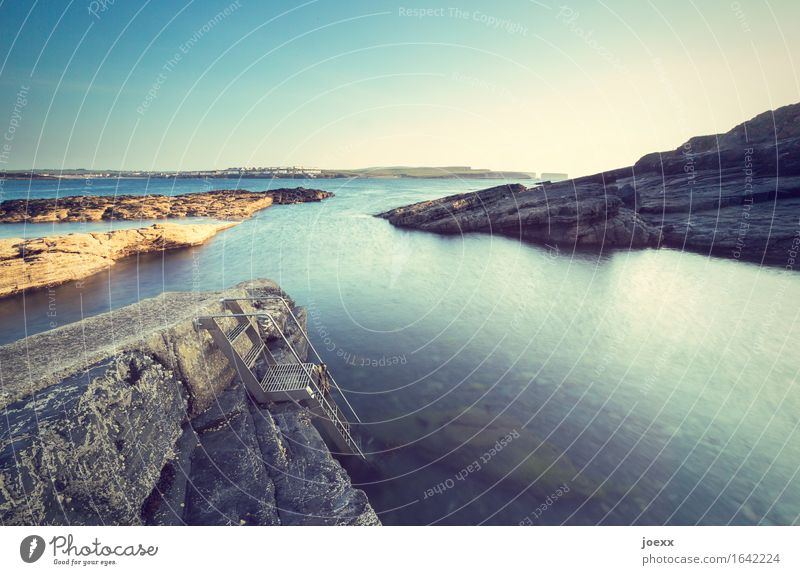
(53, 260)
(220, 204)
(735, 195)
(297, 195)
(134, 417)
(576, 215)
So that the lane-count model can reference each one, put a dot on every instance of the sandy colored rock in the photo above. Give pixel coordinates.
(53, 260)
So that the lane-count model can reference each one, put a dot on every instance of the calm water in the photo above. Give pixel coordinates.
(649, 387)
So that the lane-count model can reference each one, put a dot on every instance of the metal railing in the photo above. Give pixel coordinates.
(332, 410)
(305, 336)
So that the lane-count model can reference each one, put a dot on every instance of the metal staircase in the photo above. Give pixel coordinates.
(237, 335)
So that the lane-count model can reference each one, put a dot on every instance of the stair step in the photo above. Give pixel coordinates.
(251, 356)
(237, 331)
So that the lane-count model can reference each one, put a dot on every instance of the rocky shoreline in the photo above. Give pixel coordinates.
(219, 204)
(134, 417)
(54, 260)
(734, 195)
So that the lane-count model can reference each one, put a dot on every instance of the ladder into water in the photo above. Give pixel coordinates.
(267, 380)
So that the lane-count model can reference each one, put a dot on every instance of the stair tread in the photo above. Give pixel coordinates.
(253, 353)
(238, 330)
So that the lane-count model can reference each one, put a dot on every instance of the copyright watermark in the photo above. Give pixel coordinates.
(488, 20)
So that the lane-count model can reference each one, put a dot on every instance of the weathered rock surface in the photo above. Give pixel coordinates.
(230, 483)
(734, 195)
(53, 260)
(311, 487)
(134, 417)
(220, 204)
(576, 215)
(297, 195)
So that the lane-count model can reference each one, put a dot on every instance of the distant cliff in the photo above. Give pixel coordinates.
(734, 195)
(134, 417)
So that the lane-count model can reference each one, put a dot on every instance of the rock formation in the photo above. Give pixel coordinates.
(53, 260)
(574, 215)
(735, 195)
(297, 195)
(134, 417)
(220, 204)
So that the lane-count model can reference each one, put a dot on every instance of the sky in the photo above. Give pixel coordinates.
(542, 86)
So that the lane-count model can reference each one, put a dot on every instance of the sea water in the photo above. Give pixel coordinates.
(501, 382)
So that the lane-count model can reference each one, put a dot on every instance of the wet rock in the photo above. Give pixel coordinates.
(166, 503)
(312, 488)
(229, 483)
(569, 213)
(297, 195)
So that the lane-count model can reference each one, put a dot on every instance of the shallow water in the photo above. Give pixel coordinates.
(643, 387)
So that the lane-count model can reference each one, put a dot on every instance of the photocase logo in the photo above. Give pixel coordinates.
(31, 548)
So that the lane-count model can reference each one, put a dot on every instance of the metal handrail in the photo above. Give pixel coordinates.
(305, 336)
(324, 403)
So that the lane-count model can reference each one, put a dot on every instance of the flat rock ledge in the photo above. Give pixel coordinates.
(219, 204)
(54, 260)
(133, 417)
(734, 195)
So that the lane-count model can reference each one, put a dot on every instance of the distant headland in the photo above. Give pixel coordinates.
(286, 172)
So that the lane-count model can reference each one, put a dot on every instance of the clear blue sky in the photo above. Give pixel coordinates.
(544, 86)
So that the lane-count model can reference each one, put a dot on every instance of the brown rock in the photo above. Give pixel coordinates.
(221, 204)
(53, 260)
